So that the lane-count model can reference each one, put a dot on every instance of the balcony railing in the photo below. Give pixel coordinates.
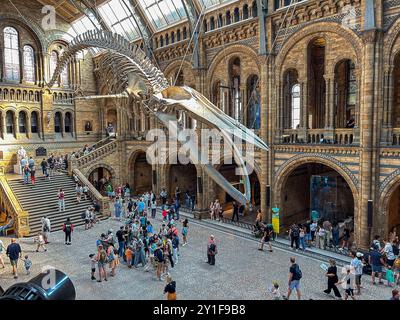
(346, 136)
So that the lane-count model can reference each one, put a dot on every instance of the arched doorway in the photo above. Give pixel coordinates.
(394, 210)
(99, 178)
(315, 188)
(141, 171)
(183, 176)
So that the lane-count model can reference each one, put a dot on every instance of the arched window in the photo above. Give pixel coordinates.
(29, 64)
(166, 39)
(10, 122)
(212, 23)
(53, 63)
(161, 41)
(205, 26)
(220, 21)
(67, 123)
(245, 12)
(228, 17)
(295, 106)
(65, 76)
(236, 15)
(178, 35)
(34, 122)
(254, 9)
(11, 54)
(57, 122)
(22, 122)
(184, 33)
(172, 37)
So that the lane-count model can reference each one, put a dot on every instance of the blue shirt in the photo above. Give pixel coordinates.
(150, 229)
(376, 258)
(141, 206)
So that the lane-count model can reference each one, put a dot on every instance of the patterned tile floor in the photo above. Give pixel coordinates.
(241, 271)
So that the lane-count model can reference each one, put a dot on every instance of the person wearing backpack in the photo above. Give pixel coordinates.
(211, 251)
(101, 262)
(46, 229)
(294, 234)
(389, 252)
(68, 228)
(295, 275)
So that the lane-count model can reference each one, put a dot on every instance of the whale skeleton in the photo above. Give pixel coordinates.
(131, 75)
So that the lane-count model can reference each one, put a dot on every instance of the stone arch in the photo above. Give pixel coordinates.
(132, 176)
(391, 37)
(184, 67)
(316, 29)
(234, 49)
(298, 162)
(90, 169)
(285, 170)
(386, 190)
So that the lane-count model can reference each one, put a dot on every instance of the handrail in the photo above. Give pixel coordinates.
(93, 155)
(94, 193)
(13, 208)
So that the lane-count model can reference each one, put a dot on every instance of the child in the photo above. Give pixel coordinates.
(93, 266)
(129, 255)
(28, 265)
(390, 276)
(276, 293)
(40, 242)
(185, 230)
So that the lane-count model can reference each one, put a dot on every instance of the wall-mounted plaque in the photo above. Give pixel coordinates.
(41, 152)
(88, 126)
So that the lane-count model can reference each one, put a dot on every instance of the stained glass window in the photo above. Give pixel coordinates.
(29, 64)
(11, 54)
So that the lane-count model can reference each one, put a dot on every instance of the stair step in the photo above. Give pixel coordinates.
(41, 199)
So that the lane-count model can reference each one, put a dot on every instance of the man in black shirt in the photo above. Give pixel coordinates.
(121, 241)
(235, 211)
(14, 252)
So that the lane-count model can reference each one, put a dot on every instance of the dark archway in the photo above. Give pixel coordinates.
(141, 174)
(315, 187)
(99, 178)
(183, 176)
(394, 210)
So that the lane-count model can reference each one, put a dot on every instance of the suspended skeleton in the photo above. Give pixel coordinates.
(133, 76)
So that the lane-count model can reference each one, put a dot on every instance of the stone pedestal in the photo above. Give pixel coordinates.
(201, 214)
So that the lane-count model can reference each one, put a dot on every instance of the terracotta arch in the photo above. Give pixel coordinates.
(316, 29)
(176, 65)
(234, 49)
(391, 37)
(387, 188)
(286, 169)
(101, 165)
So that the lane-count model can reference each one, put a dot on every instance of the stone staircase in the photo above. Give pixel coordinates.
(41, 199)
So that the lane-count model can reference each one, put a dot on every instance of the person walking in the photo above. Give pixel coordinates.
(177, 206)
(295, 275)
(328, 232)
(211, 250)
(235, 211)
(46, 228)
(68, 228)
(294, 234)
(26, 173)
(33, 175)
(14, 252)
(331, 274)
(357, 265)
(302, 237)
(153, 208)
(217, 210)
(321, 237)
(377, 263)
(61, 200)
(266, 239)
(211, 208)
(40, 242)
(348, 280)
(185, 231)
(43, 165)
(170, 289)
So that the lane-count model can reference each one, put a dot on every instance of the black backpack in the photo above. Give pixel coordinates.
(68, 227)
(295, 232)
(395, 250)
(298, 274)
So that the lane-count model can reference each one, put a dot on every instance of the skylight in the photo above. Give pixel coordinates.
(162, 13)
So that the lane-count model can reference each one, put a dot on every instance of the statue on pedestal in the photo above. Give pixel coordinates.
(22, 158)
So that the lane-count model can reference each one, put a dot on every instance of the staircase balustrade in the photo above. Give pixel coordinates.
(12, 207)
(94, 194)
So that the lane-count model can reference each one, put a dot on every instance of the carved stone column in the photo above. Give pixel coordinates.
(28, 126)
(3, 125)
